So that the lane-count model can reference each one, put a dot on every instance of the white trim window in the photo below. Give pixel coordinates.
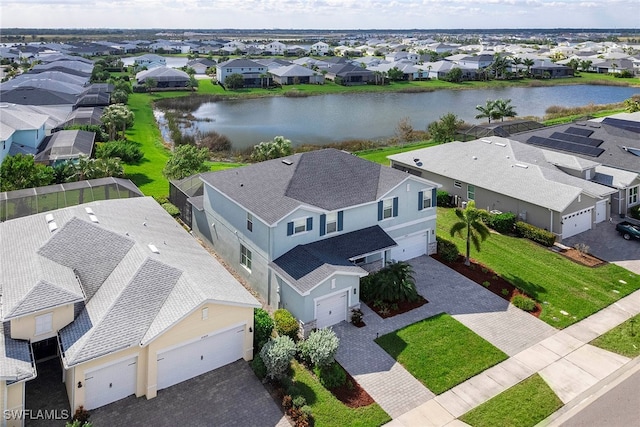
(332, 222)
(471, 192)
(300, 225)
(245, 257)
(387, 208)
(633, 195)
(249, 222)
(44, 324)
(426, 199)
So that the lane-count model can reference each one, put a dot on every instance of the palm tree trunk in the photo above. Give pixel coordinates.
(466, 261)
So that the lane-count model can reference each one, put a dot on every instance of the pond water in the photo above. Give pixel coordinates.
(332, 118)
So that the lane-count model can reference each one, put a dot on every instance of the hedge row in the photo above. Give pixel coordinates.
(536, 234)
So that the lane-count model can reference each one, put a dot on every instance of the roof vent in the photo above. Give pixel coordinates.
(287, 162)
(487, 141)
(49, 218)
(474, 157)
(88, 210)
(501, 144)
(153, 249)
(53, 226)
(520, 165)
(93, 218)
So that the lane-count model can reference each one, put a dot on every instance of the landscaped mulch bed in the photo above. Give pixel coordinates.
(481, 274)
(584, 259)
(402, 307)
(351, 394)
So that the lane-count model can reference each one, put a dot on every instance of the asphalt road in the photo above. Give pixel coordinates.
(619, 407)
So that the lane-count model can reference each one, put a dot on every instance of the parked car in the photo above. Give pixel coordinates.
(628, 230)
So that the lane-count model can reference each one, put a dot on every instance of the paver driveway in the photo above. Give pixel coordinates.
(229, 396)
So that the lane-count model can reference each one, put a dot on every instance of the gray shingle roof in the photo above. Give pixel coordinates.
(15, 358)
(305, 266)
(43, 296)
(329, 179)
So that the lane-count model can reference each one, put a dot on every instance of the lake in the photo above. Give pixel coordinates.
(333, 118)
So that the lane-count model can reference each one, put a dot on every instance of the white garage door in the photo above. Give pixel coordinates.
(107, 384)
(331, 310)
(601, 210)
(410, 247)
(195, 358)
(576, 222)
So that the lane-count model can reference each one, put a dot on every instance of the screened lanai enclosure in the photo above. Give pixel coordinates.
(19, 203)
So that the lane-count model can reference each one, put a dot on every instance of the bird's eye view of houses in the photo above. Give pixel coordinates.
(399, 214)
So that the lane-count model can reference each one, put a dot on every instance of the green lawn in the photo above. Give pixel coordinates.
(440, 352)
(624, 339)
(379, 155)
(523, 405)
(558, 283)
(328, 411)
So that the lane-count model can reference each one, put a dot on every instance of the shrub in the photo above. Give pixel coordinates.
(258, 366)
(505, 292)
(128, 152)
(81, 415)
(171, 209)
(277, 354)
(287, 402)
(214, 141)
(286, 324)
(523, 302)
(486, 283)
(331, 376)
(447, 249)
(299, 401)
(321, 347)
(536, 234)
(503, 223)
(139, 89)
(262, 328)
(392, 283)
(356, 316)
(634, 212)
(443, 199)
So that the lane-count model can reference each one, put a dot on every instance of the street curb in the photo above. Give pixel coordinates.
(588, 396)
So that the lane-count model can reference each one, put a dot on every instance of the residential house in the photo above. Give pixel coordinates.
(549, 70)
(164, 77)
(296, 74)
(476, 62)
(275, 48)
(613, 142)
(78, 68)
(129, 303)
(320, 49)
(303, 229)
(402, 56)
(439, 70)
(201, 65)
(547, 189)
(409, 70)
(349, 74)
(65, 145)
(149, 61)
(252, 72)
(20, 131)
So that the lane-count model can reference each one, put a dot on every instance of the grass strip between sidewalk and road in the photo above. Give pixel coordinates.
(624, 339)
(523, 405)
(440, 352)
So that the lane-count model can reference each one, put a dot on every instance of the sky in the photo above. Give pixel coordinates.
(320, 14)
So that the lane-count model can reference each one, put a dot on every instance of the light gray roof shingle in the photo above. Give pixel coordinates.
(43, 296)
(15, 358)
(329, 179)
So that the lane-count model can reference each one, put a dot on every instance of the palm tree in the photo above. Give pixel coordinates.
(528, 63)
(516, 61)
(470, 220)
(503, 108)
(487, 110)
(585, 65)
(500, 65)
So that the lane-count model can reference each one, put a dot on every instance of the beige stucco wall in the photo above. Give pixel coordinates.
(24, 328)
(189, 328)
(15, 401)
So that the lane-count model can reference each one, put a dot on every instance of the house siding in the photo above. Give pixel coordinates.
(14, 398)
(24, 328)
(29, 138)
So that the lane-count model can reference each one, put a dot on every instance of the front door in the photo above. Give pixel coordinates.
(45, 349)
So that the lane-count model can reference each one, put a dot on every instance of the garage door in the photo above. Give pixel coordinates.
(107, 384)
(195, 358)
(410, 247)
(601, 210)
(331, 310)
(576, 222)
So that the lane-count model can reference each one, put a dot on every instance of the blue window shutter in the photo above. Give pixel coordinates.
(323, 224)
(380, 210)
(395, 206)
(420, 200)
(434, 197)
(340, 220)
(310, 223)
(289, 228)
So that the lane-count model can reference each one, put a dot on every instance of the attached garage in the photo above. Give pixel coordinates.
(197, 357)
(601, 211)
(332, 309)
(410, 247)
(109, 383)
(576, 222)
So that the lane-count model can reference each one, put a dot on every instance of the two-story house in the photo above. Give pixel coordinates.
(129, 304)
(20, 131)
(303, 229)
(252, 72)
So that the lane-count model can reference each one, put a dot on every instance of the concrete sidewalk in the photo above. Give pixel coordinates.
(565, 360)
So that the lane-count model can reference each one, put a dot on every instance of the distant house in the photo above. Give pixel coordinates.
(65, 145)
(164, 77)
(275, 48)
(201, 65)
(476, 62)
(20, 131)
(303, 229)
(320, 49)
(149, 61)
(78, 68)
(440, 69)
(349, 74)
(547, 69)
(296, 74)
(252, 72)
(402, 56)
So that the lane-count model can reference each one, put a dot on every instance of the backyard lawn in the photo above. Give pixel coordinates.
(523, 405)
(558, 283)
(329, 411)
(624, 339)
(379, 155)
(440, 352)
